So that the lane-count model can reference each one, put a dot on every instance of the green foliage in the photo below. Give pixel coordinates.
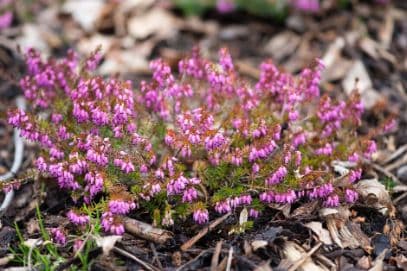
(388, 182)
(43, 254)
(276, 9)
(216, 176)
(197, 7)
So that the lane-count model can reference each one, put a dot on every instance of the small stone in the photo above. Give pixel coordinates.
(402, 174)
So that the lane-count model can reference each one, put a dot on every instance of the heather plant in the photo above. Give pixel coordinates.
(192, 145)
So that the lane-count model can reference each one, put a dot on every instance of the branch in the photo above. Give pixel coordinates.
(203, 232)
(18, 158)
(147, 231)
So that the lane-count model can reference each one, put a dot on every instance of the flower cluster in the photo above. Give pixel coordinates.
(184, 145)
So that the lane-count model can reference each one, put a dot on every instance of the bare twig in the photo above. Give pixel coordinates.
(18, 158)
(399, 198)
(398, 163)
(147, 231)
(395, 154)
(192, 261)
(222, 264)
(203, 232)
(156, 258)
(326, 261)
(215, 256)
(230, 257)
(5, 260)
(134, 258)
(304, 258)
(382, 170)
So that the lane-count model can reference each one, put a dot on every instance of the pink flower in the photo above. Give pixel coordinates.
(225, 6)
(354, 175)
(120, 207)
(223, 207)
(306, 5)
(189, 195)
(58, 236)
(332, 201)
(109, 224)
(351, 196)
(6, 19)
(325, 150)
(77, 219)
(201, 216)
(277, 176)
(254, 213)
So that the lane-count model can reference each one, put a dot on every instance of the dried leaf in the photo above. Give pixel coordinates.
(294, 253)
(155, 22)
(256, 244)
(31, 243)
(84, 12)
(374, 193)
(107, 242)
(282, 45)
(244, 214)
(358, 78)
(323, 234)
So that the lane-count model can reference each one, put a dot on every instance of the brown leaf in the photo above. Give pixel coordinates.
(358, 78)
(157, 22)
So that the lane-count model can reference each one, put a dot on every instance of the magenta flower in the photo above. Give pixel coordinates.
(6, 19)
(351, 196)
(77, 219)
(58, 236)
(201, 216)
(277, 176)
(332, 201)
(306, 5)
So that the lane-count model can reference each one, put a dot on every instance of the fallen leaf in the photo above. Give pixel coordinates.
(124, 61)
(256, 244)
(282, 45)
(31, 243)
(359, 79)
(244, 214)
(294, 253)
(374, 193)
(107, 242)
(157, 22)
(323, 234)
(88, 45)
(84, 12)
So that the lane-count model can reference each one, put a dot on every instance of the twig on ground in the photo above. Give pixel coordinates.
(191, 262)
(133, 257)
(398, 163)
(18, 158)
(156, 258)
(215, 256)
(230, 258)
(147, 231)
(203, 232)
(326, 261)
(399, 198)
(301, 261)
(395, 154)
(383, 171)
(222, 264)
(6, 259)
